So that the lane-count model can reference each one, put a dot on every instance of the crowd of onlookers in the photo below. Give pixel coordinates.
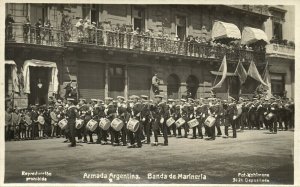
(123, 36)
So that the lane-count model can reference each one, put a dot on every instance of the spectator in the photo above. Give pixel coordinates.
(26, 29)
(9, 27)
(38, 27)
(155, 84)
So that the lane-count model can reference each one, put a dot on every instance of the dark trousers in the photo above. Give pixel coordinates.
(72, 133)
(199, 127)
(114, 136)
(147, 127)
(233, 124)
(164, 131)
(135, 137)
(173, 128)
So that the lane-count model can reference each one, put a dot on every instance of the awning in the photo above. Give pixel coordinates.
(10, 62)
(225, 30)
(251, 35)
(14, 75)
(53, 85)
(220, 73)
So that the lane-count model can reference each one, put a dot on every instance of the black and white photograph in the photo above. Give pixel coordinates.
(102, 93)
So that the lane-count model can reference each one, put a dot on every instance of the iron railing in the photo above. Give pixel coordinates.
(138, 42)
(25, 33)
(123, 40)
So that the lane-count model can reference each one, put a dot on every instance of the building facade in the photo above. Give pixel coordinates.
(110, 50)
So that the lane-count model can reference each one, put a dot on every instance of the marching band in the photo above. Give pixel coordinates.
(131, 123)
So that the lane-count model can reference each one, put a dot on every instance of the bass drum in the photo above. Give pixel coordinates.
(117, 124)
(104, 124)
(133, 125)
(63, 124)
(92, 125)
(269, 116)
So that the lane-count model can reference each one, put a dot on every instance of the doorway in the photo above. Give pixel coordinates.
(39, 85)
(116, 84)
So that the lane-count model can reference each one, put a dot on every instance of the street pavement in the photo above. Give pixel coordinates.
(224, 160)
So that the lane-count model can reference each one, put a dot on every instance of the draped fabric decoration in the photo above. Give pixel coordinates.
(241, 72)
(267, 80)
(53, 85)
(223, 69)
(253, 72)
(14, 75)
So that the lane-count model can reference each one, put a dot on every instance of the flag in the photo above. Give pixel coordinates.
(253, 72)
(267, 80)
(241, 72)
(223, 69)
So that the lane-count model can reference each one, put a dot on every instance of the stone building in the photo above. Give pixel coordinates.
(107, 56)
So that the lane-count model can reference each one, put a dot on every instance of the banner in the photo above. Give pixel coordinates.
(267, 80)
(223, 69)
(253, 72)
(241, 72)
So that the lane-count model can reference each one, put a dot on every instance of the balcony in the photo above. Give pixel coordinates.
(159, 45)
(277, 50)
(127, 42)
(258, 9)
(24, 33)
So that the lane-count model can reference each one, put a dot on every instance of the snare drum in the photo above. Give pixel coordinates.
(193, 123)
(117, 124)
(41, 120)
(179, 122)
(79, 123)
(133, 125)
(170, 121)
(104, 124)
(92, 125)
(210, 121)
(269, 116)
(239, 110)
(63, 124)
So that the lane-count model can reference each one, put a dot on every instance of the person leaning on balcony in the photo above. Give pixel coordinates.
(47, 32)
(79, 26)
(38, 26)
(26, 29)
(8, 26)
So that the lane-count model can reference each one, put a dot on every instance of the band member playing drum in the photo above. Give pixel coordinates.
(82, 108)
(111, 114)
(200, 116)
(172, 113)
(124, 116)
(185, 115)
(160, 114)
(145, 119)
(135, 137)
(72, 114)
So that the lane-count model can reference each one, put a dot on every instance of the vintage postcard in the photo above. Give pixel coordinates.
(143, 93)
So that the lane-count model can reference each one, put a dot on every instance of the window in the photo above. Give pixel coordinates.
(277, 84)
(86, 11)
(277, 30)
(138, 18)
(181, 27)
(95, 13)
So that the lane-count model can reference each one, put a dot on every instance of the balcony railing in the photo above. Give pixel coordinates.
(25, 33)
(282, 50)
(130, 41)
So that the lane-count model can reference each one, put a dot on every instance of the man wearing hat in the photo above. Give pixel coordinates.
(34, 116)
(160, 115)
(71, 115)
(155, 84)
(124, 116)
(146, 118)
(111, 114)
(172, 113)
(135, 138)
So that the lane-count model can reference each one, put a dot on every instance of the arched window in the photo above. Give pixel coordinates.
(192, 84)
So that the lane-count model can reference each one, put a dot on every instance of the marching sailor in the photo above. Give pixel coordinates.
(72, 114)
